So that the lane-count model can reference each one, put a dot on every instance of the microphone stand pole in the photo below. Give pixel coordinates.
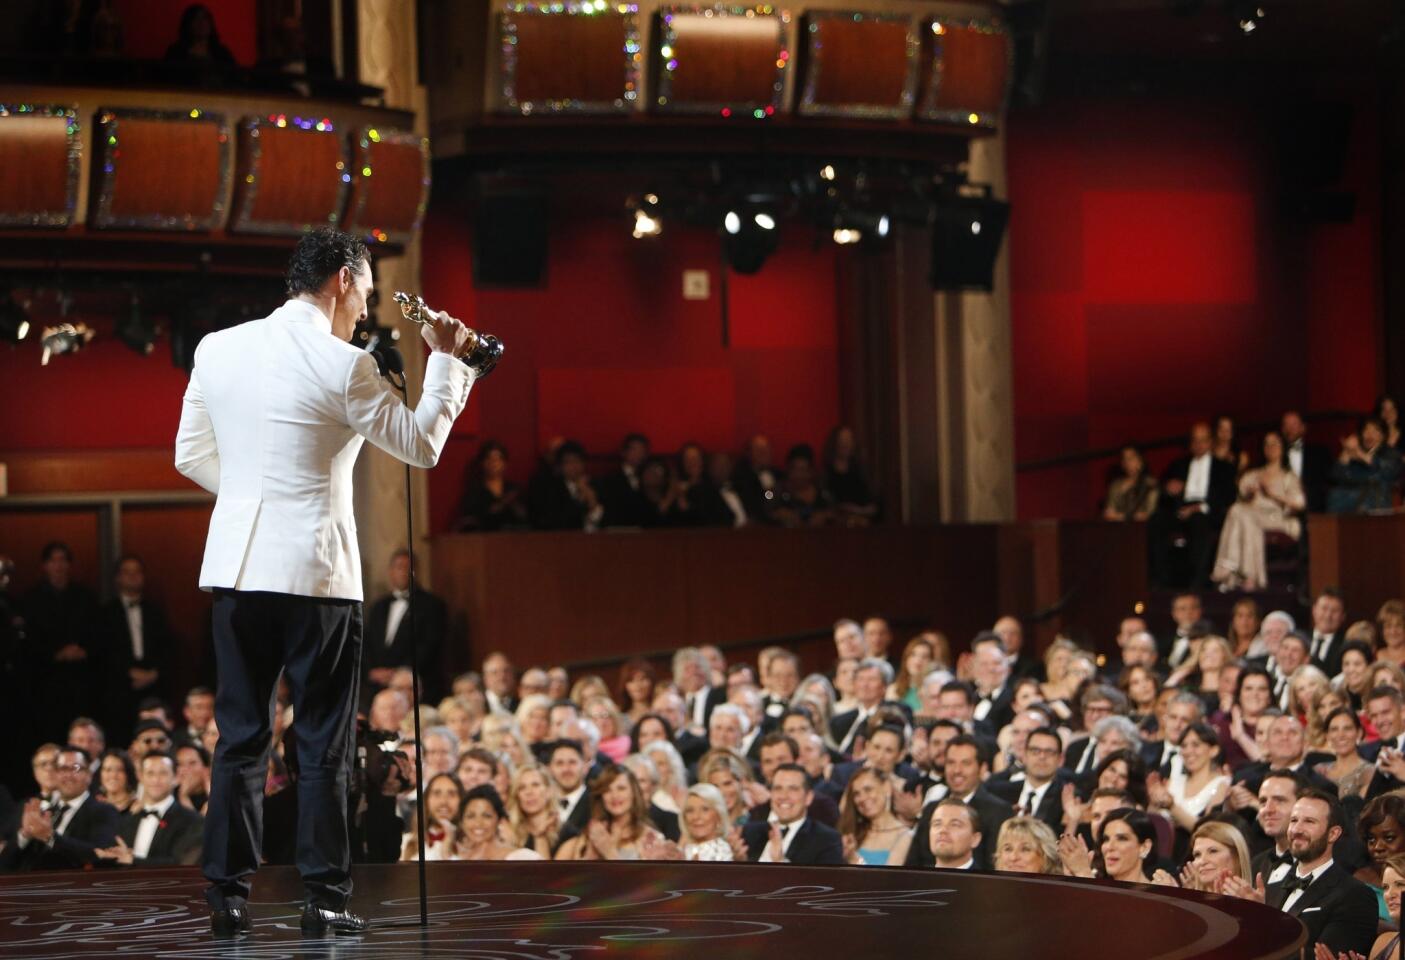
(415, 675)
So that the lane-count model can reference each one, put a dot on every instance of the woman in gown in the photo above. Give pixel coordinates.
(1271, 498)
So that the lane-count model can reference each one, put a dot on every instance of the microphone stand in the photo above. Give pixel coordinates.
(390, 362)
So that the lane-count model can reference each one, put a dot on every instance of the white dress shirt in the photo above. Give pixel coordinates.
(398, 606)
(273, 419)
(788, 832)
(1031, 797)
(1197, 480)
(987, 703)
(1296, 895)
(134, 627)
(146, 831)
(1295, 458)
(734, 504)
(61, 824)
(569, 801)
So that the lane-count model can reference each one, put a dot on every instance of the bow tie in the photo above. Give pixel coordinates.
(151, 812)
(564, 803)
(401, 594)
(785, 830)
(1281, 858)
(1294, 882)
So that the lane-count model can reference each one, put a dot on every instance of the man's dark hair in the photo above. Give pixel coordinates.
(127, 558)
(778, 739)
(1386, 693)
(966, 740)
(1300, 783)
(1045, 732)
(1334, 592)
(53, 547)
(200, 751)
(988, 636)
(634, 438)
(565, 744)
(1334, 806)
(70, 748)
(971, 813)
(934, 724)
(795, 768)
(958, 686)
(160, 755)
(485, 757)
(569, 449)
(198, 692)
(489, 793)
(319, 255)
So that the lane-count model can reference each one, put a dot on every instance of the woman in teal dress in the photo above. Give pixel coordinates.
(874, 836)
(923, 654)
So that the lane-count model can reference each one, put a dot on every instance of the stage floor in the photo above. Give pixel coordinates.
(561, 911)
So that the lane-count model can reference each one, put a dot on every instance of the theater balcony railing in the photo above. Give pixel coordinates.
(126, 165)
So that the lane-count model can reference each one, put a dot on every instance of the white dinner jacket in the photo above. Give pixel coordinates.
(273, 419)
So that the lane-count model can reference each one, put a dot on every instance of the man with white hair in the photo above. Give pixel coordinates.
(440, 751)
(1272, 629)
(748, 698)
(727, 727)
(669, 705)
(389, 708)
(692, 675)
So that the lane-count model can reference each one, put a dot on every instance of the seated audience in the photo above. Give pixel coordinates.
(954, 835)
(846, 482)
(802, 502)
(1127, 847)
(562, 498)
(1133, 493)
(873, 835)
(1347, 769)
(635, 692)
(790, 835)
(117, 780)
(443, 799)
(618, 827)
(481, 827)
(1196, 492)
(705, 825)
(490, 501)
(66, 830)
(534, 812)
(1026, 845)
(137, 645)
(1217, 854)
(1271, 499)
(757, 483)
(1197, 781)
(621, 491)
(161, 832)
(1367, 472)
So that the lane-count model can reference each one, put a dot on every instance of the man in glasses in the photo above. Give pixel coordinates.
(65, 831)
(151, 737)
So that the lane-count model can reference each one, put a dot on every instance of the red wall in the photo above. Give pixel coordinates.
(609, 345)
(1154, 281)
(153, 25)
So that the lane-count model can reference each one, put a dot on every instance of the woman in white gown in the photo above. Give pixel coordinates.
(1271, 500)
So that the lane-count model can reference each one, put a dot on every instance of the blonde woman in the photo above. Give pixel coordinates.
(532, 809)
(673, 775)
(1027, 845)
(1217, 853)
(1061, 682)
(704, 825)
(1391, 621)
(459, 717)
(534, 718)
(1305, 685)
(587, 687)
(1200, 674)
(730, 774)
(1383, 673)
(502, 736)
(614, 728)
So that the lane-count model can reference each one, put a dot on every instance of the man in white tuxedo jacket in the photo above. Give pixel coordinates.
(273, 418)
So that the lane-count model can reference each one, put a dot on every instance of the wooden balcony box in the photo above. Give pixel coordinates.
(294, 174)
(859, 64)
(161, 169)
(569, 57)
(41, 154)
(722, 60)
(966, 71)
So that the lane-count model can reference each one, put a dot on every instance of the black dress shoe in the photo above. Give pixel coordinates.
(231, 922)
(320, 921)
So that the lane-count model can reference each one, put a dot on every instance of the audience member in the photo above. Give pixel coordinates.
(64, 649)
(1311, 462)
(1271, 499)
(64, 831)
(490, 501)
(1132, 495)
(1196, 492)
(757, 483)
(790, 835)
(136, 643)
(481, 826)
(802, 502)
(618, 827)
(161, 832)
(1366, 473)
(846, 481)
(562, 497)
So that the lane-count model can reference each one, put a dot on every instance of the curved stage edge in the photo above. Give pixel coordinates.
(561, 911)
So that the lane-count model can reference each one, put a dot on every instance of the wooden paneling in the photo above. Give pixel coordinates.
(39, 155)
(93, 470)
(966, 70)
(719, 61)
(290, 175)
(573, 60)
(23, 536)
(551, 598)
(389, 185)
(1364, 557)
(162, 170)
(859, 64)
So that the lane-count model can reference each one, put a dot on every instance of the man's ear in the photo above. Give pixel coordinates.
(345, 280)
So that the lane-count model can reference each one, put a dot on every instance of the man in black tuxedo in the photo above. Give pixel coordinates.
(568, 767)
(790, 836)
(871, 681)
(563, 498)
(1186, 614)
(1286, 750)
(1176, 717)
(671, 707)
(1338, 910)
(1385, 708)
(1328, 631)
(388, 639)
(954, 835)
(757, 483)
(994, 691)
(1278, 792)
(692, 675)
(66, 831)
(781, 678)
(1037, 790)
(1312, 462)
(778, 750)
(136, 642)
(499, 683)
(966, 765)
(1197, 491)
(63, 642)
(620, 494)
(163, 833)
(1022, 663)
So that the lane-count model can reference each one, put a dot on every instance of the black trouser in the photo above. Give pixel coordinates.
(1202, 535)
(259, 636)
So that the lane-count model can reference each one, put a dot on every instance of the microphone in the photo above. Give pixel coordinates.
(388, 360)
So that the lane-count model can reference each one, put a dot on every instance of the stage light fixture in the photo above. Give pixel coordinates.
(827, 172)
(967, 230)
(845, 235)
(749, 238)
(14, 321)
(64, 338)
(136, 329)
(854, 226)
(648, 221)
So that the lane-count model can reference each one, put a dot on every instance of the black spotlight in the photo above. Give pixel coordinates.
(966, 236)
(749, 236)
(136, 329)
(510, 233)
(14, 320)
